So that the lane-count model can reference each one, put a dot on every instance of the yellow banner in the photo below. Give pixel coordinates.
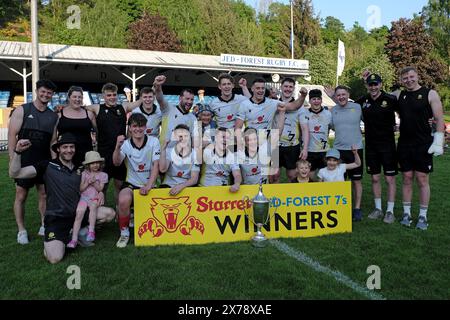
(213, 214)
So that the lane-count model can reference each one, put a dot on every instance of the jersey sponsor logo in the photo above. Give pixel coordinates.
(179, 174)
(317, 128)
(220, 173)
(260, 119)
(171, 215)
(229, 117)
(254, 170)
(141, 167)
(149, 130)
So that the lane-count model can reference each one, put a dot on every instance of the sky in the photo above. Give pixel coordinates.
(369, 13)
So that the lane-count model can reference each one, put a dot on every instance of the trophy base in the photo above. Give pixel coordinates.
(259, 241)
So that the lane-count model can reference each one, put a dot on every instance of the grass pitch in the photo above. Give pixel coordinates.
(414, 264)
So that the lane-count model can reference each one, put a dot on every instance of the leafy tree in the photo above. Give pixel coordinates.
(322, 64)
(332, 30)
(306, 26)
(152, 33)
(409, 44)
(437, 21)
(102, 25)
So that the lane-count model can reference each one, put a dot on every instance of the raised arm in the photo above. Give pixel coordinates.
(15, 169)
(243, 85)
(295, 105)
(163, 162)
(357, 162)
(117, 154)
(157, 86)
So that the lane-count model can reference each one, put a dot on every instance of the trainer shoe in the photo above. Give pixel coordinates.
(41, 231)
(356, 215)
(122, 242)
(406, 220)
(90, 236)
(422, 223)
(82, 238)
(389, 217)
(72, 244)
(22, 237)
(375, 214)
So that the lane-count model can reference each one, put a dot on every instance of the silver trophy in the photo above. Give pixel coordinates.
(260, 206)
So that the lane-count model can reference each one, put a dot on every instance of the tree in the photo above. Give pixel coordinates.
(102, 25)
(151, 32)
(306, 26)
(409, 44)
(332, 30)
(322, 64)
(437, 21)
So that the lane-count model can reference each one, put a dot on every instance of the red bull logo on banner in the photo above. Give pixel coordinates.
(170, 215)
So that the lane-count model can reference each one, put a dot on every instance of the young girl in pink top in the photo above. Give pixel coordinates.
(92, 182)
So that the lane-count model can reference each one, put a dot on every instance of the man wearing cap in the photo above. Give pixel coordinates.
(62, 183)
(378, 110)
(318, 120)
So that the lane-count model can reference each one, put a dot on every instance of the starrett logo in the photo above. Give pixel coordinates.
(171, 215)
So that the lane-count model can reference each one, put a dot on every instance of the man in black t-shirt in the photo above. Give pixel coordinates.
(416, 144)
(378, 109)
(62, 183)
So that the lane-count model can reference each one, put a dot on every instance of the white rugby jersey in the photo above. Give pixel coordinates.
(153, 119)
(258, 115)
(291, 132)
(180, 168)
(256, 168)
(139, 161)
(216, 170)
(172, 116)
(318, 126)
(225, 111)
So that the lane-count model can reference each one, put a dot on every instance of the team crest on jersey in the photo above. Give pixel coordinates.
(419, 97)
(118, 112)
(384, 104)
(171, 215)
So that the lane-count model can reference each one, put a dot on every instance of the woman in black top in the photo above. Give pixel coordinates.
(74, 118)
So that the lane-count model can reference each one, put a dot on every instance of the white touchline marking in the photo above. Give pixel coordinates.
(338, 276)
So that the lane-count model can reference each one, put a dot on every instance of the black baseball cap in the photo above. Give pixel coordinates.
(374, 78)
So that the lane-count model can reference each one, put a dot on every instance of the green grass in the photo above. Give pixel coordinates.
(414, 264)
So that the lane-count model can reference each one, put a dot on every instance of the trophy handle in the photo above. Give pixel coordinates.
(270, 216)
(246, 198)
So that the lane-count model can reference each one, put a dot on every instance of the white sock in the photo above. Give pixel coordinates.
(378, 203)
(125, 232)
(390, 206)
(407, 208)
(423, 211)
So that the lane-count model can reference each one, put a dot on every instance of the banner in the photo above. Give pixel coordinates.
(341, 58)
(212, 214)
(240, 60)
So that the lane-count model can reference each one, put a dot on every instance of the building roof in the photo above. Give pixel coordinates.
(12, 50)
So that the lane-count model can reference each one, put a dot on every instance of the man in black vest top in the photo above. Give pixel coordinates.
(416, 144)
(111, 122)
(36, 122)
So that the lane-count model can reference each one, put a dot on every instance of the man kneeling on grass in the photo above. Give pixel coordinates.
(141, 155)
(62, 183)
